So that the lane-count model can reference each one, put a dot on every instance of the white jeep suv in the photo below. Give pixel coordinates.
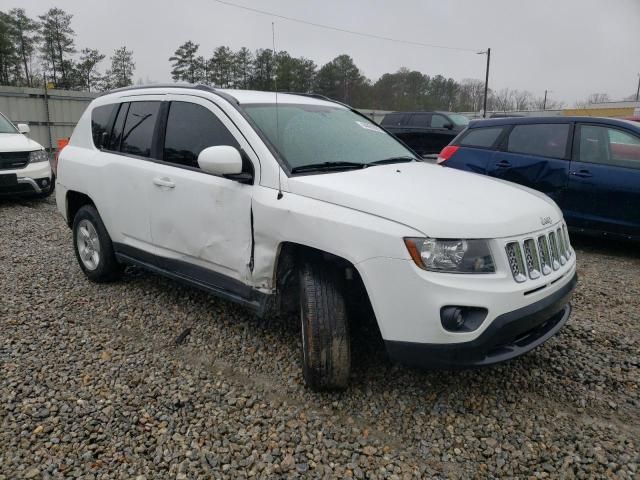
(24, 164)
(287, 202)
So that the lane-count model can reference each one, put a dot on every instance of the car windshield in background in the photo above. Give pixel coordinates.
(6, 126)
(459, 119)
(325, 137)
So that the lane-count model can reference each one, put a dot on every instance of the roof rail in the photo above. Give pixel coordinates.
(192, 86)
(187, 86)
(318, 96)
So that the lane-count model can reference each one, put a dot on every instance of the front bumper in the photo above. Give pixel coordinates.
(36, 178)
(509, 335)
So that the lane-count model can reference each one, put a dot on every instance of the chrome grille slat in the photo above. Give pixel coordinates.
(567, 243)
(545, 255)
(555, 254)
(561, 247)
(532, 258)
(516, 262)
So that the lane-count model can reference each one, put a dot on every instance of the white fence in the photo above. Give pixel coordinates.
(51, 114)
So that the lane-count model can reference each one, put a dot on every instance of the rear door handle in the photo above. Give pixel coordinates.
(163, 182)
(503, 164)
(581, 173)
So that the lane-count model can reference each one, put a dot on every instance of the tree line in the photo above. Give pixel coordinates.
(341, 80)
(35, 50)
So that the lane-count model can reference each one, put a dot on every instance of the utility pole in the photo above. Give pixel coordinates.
(486, 81)
(544, 103)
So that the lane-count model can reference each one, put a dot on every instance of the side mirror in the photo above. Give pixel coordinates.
(224, 161)
(23, 128)
(448, 126)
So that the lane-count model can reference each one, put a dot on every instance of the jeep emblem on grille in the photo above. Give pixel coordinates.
(545, 220)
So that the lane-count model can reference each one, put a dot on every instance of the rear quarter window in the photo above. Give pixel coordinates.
(544, 140)
(480, 137)
(101, 120)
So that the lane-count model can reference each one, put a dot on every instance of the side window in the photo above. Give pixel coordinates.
(545, 140)
(118, 125)
(190, 129)
(608, 146)
(392, 119)
(481, 137)
(100, 124)
(137, 135)
(420, 120)
(439, 121)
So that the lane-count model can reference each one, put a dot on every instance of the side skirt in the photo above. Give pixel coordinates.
(194, 276)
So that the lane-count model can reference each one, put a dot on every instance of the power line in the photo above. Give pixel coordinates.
(343, 30)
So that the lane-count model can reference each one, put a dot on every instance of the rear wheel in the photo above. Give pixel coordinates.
(326, 348)
(93, 247)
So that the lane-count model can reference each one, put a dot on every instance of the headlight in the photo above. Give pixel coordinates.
(452, 256)
(38, 156)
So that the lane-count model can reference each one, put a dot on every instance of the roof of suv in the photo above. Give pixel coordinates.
(529, 120)
(239, 96)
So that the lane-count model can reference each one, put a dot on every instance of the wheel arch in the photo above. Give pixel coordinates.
(74, 201)
(290, 254)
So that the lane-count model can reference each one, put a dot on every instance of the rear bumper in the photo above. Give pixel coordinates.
(509, 335)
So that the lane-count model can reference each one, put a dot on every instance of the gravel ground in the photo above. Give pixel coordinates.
(94, 385)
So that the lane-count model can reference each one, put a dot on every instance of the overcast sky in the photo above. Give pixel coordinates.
(571, 47)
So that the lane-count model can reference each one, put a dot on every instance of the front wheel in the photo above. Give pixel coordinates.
(326, 348)
(93, 247)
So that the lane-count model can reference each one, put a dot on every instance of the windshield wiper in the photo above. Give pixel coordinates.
(387, 161)
(324, 166)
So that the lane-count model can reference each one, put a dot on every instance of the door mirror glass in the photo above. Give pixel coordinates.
(23, 128)
(220, 160)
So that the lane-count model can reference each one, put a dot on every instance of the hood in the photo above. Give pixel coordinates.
(439, 202)
(17, 142)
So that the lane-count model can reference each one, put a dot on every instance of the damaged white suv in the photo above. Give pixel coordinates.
(285, 203)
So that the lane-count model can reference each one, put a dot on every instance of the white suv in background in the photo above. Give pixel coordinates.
(296, 203)
(24, 164)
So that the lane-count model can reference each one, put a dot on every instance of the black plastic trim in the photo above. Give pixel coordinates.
(509, 335)
(193, 275)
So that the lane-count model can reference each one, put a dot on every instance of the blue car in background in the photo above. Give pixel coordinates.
(589, 166)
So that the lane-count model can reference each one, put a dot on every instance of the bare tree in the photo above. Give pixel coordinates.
(539, 104)
(598, 98)
(521, 99)
(503, 100)
(470, 95)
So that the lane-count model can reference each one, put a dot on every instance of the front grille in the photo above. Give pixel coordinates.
(13, 160)
(534, 257)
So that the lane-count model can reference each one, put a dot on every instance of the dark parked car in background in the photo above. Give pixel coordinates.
(589, 166)
(425, 132)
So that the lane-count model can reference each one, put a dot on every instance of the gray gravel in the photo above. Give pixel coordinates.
(94, 385)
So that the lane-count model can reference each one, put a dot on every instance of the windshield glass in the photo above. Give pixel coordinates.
(6, 126)
(459, 119)
(312, 134)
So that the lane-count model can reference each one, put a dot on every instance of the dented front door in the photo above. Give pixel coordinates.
(200, 223)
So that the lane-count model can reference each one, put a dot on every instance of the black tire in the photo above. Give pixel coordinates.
(326, 346)
(107, 268)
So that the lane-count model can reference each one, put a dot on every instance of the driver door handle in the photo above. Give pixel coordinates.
(503, 164)
(163, 182)
(581, 173)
